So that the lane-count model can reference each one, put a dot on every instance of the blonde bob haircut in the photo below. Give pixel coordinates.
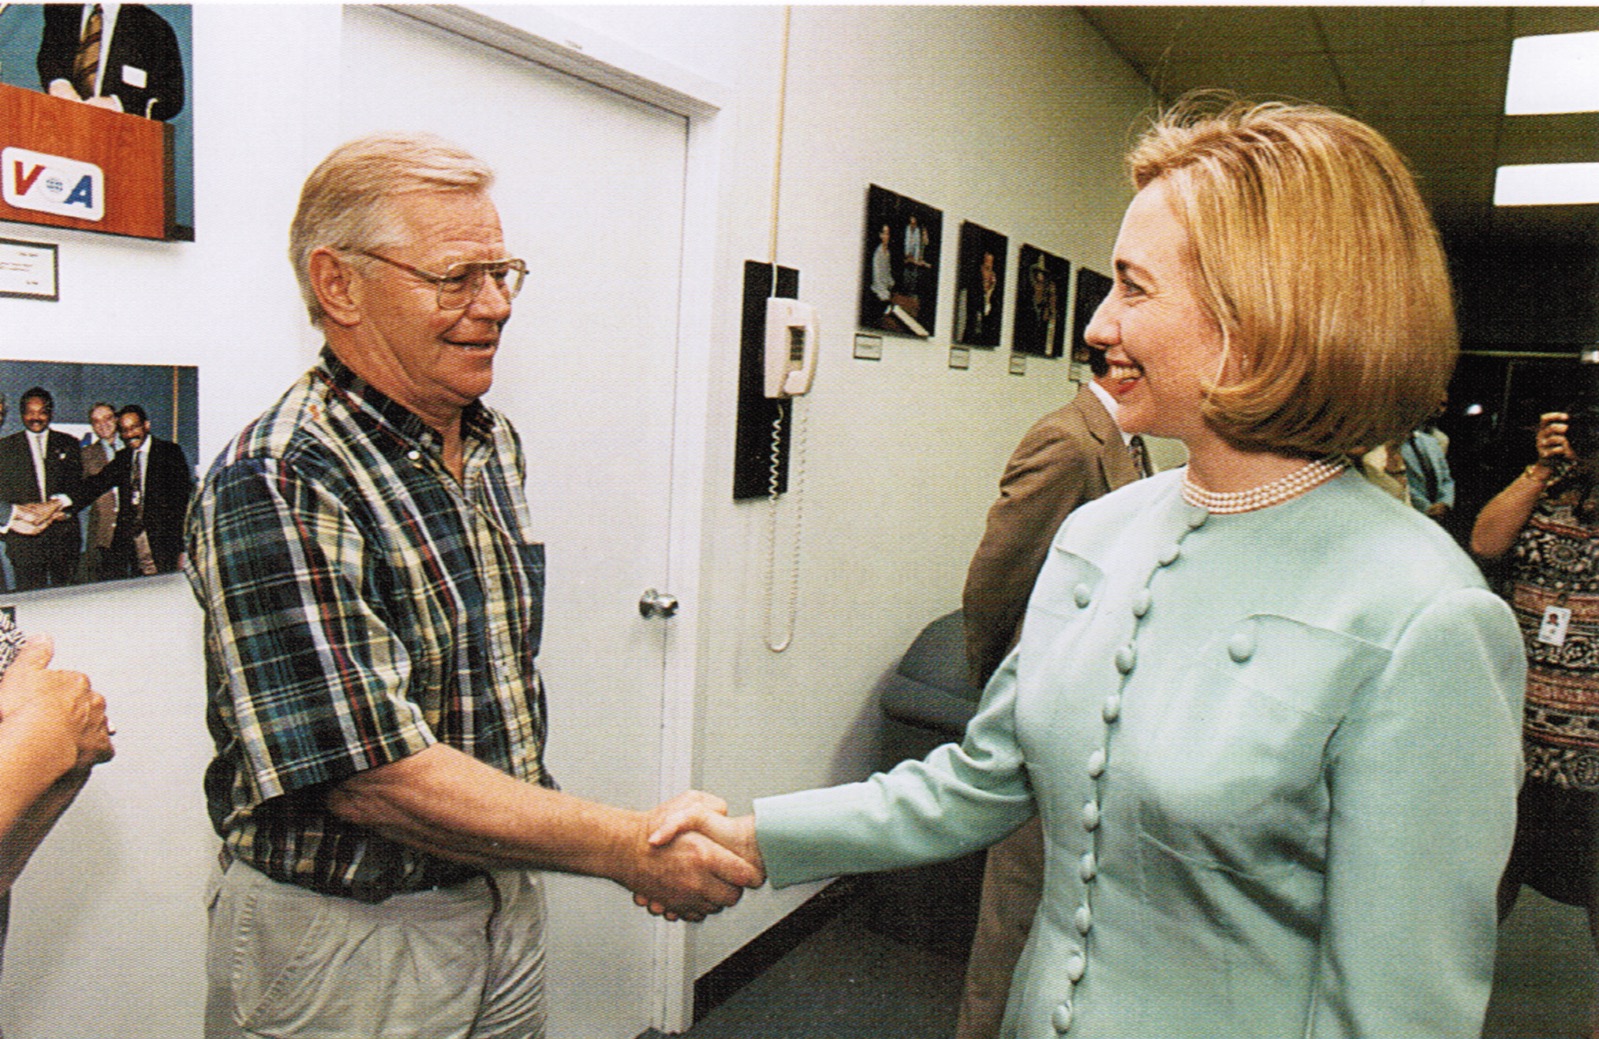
(1320, 263)
(346, 203)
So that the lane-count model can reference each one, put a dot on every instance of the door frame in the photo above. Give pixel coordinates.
(548, 39)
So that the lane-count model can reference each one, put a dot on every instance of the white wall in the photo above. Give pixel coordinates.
(1011, 117)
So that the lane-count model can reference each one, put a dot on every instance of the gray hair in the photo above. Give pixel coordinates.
(346, 203)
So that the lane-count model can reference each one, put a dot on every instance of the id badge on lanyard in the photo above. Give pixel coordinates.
(1552, 629)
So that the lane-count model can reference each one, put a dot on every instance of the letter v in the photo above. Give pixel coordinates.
(24, 183)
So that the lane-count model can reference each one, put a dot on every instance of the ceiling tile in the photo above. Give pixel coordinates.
(1572, 137)
(1541, 21)
(1147, 35)
(1432, 80)
(1299, 77)
(1458, 141)
(1380, 28)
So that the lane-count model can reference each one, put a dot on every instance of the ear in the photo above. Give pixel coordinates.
(337, 288)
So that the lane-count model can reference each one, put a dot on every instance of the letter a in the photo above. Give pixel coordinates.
(83, 194)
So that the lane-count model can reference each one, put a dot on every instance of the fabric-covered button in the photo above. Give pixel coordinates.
(1076, 966)
(1112, 709)
(1062, 1018)
(1082, 595)
(1087, 867)
(1197, 515)
(1084, 919)
(1096, 763)
(1091, 815)
(1241, 647)
(1141, 603)
(1170, 554)
(1127, 658)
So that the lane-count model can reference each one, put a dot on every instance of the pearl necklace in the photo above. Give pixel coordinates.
(1311, 474)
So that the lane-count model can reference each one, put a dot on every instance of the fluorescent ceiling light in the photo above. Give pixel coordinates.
(1551, 74)
(1548, 184)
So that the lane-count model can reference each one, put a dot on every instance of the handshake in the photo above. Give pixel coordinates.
(696, 861)
(34, 517)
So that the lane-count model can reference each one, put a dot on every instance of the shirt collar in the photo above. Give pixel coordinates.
(477, 421)
(1111, 406)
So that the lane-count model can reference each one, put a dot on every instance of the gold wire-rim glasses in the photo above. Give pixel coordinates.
(460, 283)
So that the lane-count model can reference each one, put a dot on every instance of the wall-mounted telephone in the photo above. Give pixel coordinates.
(790, 347)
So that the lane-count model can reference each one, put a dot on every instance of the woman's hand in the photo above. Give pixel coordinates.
(62, 718)
(1500, 521)
(1551, 439)
(695, 812)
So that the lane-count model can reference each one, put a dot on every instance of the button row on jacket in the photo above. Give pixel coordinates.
(1241, 647)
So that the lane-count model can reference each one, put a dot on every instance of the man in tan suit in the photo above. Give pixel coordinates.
(103, 512)
(1069, 457)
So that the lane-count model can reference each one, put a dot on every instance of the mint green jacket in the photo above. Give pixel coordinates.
(1276, 755)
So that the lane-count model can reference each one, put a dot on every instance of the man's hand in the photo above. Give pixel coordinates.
(34, 517)
(59, 712)
(696, 819)
(691, 876)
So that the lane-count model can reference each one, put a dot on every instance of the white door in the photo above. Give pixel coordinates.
(590, 191)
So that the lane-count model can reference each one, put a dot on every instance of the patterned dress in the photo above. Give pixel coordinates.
(1556, 568)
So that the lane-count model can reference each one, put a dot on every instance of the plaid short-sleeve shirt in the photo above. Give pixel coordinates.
(360, 605)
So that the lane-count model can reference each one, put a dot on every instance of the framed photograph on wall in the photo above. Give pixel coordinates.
(899, 270)
(979, 286)
(1042, 289)
(107, 147)
(1092, 288)
(124, 520)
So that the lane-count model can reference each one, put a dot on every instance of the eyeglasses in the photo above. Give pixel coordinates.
(460, 283)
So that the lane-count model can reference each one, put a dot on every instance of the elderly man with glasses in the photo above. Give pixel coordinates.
(373, 599)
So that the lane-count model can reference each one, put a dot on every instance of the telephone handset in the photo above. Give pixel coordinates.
(790, 347)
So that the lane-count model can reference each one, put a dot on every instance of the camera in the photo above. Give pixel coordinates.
(1582, 423)
(1582, 430)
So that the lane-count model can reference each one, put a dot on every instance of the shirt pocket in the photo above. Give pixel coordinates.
(1065, 601)
(1068, 586)
(1230, 771)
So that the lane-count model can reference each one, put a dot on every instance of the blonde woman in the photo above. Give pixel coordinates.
(1268, 715)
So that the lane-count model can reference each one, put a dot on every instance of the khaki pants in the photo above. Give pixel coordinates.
(457, 963)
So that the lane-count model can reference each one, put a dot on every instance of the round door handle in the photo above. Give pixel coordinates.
(657, 604)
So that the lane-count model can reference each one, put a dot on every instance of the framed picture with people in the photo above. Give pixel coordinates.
(980, 285)
(96, 470)
(96, 112)
(1042, 289)
(899, 264)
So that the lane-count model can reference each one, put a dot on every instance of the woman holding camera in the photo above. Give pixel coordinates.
(1548, 519)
